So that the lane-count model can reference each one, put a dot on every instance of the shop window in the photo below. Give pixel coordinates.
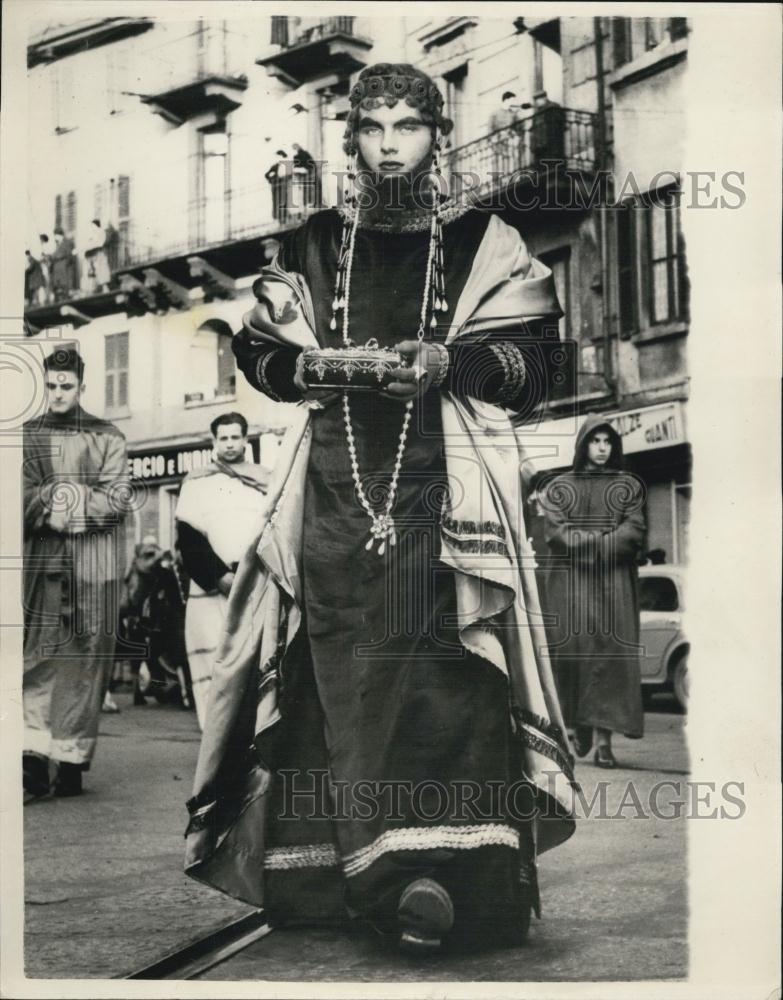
(116, 368)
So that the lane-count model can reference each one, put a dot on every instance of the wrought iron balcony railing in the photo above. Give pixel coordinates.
(552, 138)
(324, 27)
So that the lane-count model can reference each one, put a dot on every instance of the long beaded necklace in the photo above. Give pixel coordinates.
(382, 528)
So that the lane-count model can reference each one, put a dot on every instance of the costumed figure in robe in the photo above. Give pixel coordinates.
(596, 534)
(218, 507)
(76, 496)
(384, 655)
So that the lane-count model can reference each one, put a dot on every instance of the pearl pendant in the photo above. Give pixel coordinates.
(332, 323)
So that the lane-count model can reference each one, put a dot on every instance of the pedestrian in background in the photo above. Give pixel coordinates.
(34, 280)
(277, 175)
(596, 525)
(76, 490)
(63, 267)
(218, 508)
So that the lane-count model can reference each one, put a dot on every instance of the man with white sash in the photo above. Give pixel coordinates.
(218, 508)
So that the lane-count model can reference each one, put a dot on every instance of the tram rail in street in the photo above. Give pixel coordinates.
(205, 953)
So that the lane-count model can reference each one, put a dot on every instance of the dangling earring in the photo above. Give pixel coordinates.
(439, 303)
(350, 199)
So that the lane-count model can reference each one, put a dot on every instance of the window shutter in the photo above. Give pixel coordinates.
(279, 30)
(621, 40)
(123, 197)
(678, 27)
(626, 268)
(70, 213)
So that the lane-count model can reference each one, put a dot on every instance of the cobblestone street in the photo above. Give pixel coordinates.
(106, 895)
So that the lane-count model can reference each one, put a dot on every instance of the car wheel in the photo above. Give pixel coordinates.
(680, 681)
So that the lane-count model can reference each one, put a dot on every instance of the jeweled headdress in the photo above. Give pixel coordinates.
(388, 83)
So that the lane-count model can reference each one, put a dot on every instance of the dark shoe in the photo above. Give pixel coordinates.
(425, 914)
(583, 740)
(138, 694)
(68, 781)
(35, 775)
(604, 757)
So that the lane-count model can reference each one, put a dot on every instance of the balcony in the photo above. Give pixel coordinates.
(318, 47)
(196, 74)
(208, 95)
(221, 246)
(551, 149)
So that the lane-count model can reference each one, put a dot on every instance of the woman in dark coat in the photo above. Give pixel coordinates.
(596, 532)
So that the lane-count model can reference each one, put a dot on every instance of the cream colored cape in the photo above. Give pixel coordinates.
(484, 539)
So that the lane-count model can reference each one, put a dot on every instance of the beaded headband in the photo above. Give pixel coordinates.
(387, 84)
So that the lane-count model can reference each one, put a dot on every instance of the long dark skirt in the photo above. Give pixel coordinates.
(381, 695)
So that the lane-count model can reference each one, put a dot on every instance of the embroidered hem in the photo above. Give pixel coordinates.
(425, 838)
(306, 856)
(471, 536)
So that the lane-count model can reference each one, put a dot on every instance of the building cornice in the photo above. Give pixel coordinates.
(86, 35)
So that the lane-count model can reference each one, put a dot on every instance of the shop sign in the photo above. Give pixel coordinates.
(551, 444)
(649, 428)
(175, 463)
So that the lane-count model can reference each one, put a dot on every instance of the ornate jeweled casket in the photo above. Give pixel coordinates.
(353, 368)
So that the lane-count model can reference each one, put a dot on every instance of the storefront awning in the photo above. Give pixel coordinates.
(550, 445)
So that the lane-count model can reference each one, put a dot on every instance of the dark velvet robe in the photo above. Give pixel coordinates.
(381, 691)
(596, 532)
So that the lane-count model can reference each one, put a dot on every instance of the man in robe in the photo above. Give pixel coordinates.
(76, 496)
(383, 656)
(595, 528)
(219, 506)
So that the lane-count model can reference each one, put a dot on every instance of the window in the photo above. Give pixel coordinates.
(117, 82)
(116, 397)
(663, 258)
(455, 102)
(69, 222)
(123, 221)
(626, 267)
(279, 30)
(214, 183)
(651, 277)
(658, 593)
(633, 36)
(212, 369)
(559, 261)
(63, 97)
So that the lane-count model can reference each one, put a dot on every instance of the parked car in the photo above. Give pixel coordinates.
(665, 648)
